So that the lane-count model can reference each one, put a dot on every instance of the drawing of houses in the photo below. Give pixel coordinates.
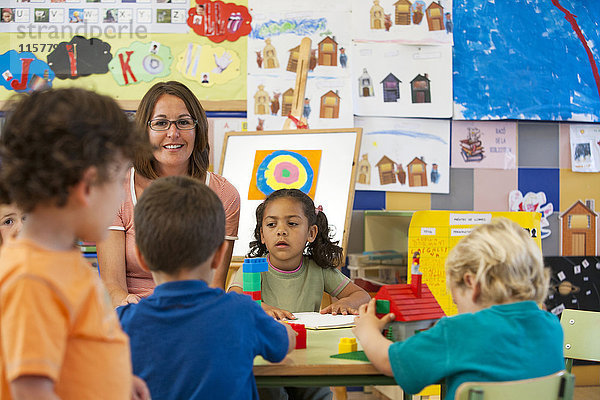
(364, 170)
(270, 55)
(386, 171)
(391, 88)
(330, 105)
(417, 173)
(262, 101)
(377, 17)
(327, 52)
(287, 101)
(420, 89)
(578, 229)
(365, 85)
(402, 12)
(414, 306)
(292, 64)
(435, 16)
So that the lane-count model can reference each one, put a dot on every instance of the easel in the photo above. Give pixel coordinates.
(301, 74)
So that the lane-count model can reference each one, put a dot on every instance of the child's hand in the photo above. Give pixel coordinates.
(277, 313)
(367, 323)
(139, 390)
(339, 307)
(130, 299)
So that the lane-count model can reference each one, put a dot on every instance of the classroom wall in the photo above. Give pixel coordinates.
(543, 164)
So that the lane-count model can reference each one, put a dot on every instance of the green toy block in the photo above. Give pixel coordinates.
(353, 355)
(382, 306)
(251, 281)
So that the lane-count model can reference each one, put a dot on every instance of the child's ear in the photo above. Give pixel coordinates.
(82, 189)
(141, 261)
(312, 233)
(475, 286)
(262, 238)
(219, 255)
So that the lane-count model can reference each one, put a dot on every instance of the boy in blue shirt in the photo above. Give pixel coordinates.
(190, 341)
(497, 279)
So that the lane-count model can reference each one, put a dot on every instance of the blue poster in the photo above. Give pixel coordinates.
(527, 59)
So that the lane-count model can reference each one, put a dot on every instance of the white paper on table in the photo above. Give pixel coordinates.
(315, 320)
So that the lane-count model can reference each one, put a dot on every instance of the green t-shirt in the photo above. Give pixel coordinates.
(300, 290)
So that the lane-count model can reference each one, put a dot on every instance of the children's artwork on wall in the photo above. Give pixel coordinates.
(404, 21)
(274, 48)
(585, 148)
(434, 233)
(208, 65)
(575, 284)
(24, 72)
(80, 57)
(498, 76)
(141, 62)
(219, 21)
(402, 81)
(404, 155)
(330, 153)
(533, 202)
(283, 169)
(578, 229)
(477, 144)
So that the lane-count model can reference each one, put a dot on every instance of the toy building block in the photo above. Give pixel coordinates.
(255, 295)
(255, 265)
(251, 281)
(381, 306)
(301, 338)
(347, 345)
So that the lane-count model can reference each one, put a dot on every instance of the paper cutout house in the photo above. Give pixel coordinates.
(364, 170)
(287, 100)
(327, 52)
(365, 85)
(417, 173)
(377, 17)
(402, 12)
(270, 55)
(391, 88)
(420, 89)
(386, 171)
(292, 64)
(413, 305)
(330, 105)
(578, 229)
(435, 16)
(262, 101)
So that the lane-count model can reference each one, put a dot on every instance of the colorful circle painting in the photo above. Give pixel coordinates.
(284, 170)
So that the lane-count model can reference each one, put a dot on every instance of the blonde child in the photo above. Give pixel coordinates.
(11, 221)
(497, 280)
(294, 235)
(64, 156)
(213, 337)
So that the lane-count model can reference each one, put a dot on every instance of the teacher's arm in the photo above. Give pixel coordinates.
(111, 262)
(221, 273)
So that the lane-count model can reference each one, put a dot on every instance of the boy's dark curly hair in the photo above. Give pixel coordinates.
(322, 250)
(51, 137)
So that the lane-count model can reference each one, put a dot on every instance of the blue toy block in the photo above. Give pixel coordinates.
(255, 265)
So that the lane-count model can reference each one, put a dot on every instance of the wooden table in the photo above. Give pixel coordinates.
(313, 366)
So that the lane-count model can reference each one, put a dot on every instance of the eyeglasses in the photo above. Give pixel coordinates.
(163, 124)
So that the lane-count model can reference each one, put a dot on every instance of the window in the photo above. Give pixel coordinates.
(327, 47)
(579, 221)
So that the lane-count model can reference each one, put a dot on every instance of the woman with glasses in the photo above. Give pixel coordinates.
(177, 129)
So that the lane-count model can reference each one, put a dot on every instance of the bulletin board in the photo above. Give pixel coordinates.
(333, 176)
(122, 48)
(435, 233)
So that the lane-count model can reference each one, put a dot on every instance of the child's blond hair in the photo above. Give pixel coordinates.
(507, 264)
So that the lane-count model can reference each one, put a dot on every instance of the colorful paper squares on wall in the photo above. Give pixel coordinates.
(283, 169)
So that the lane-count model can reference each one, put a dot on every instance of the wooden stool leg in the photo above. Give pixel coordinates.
(339, 393)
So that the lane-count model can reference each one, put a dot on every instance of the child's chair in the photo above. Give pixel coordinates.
(557, 386)
(582, 330)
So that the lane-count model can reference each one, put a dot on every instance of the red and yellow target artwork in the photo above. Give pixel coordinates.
(284, 169)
